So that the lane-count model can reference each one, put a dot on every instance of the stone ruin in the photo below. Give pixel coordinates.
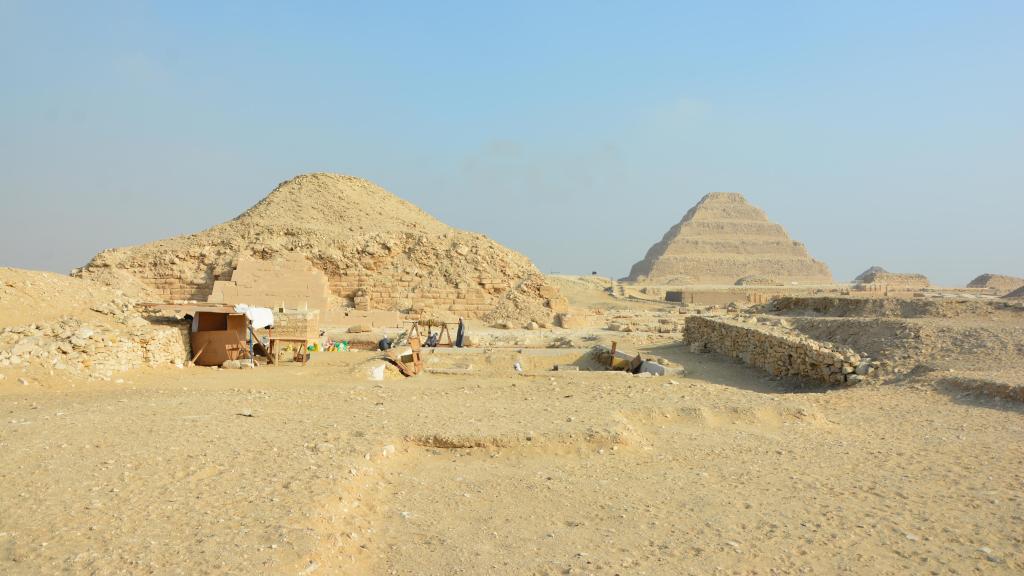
(722, 240)
(778, 351)
(997, 283)
(877, 278)
(1018, 293)
(286, 282)
(375, 250)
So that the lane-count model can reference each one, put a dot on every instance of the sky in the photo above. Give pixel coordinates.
(877, 133)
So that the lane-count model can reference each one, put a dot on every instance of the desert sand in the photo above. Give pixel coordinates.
(718, 472)
(316, 469)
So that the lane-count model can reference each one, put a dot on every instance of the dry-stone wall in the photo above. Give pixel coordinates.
(777, 351)
(840, 306)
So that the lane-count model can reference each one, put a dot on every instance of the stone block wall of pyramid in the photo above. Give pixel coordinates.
(289, 281)
(723, 239)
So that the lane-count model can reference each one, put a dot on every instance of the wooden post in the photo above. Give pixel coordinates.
(198, 354)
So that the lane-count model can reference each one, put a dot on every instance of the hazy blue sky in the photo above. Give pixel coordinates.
(887, 133)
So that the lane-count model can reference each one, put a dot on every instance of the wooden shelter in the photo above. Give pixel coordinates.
(217, 333)
(218, 336)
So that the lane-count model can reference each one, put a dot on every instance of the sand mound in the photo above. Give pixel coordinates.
(722, 239)
(54, 322)
(371, 245)
(997, 282)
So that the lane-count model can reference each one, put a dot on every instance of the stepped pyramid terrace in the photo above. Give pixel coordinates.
(723, 239)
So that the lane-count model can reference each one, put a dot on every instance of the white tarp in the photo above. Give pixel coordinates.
(260, 317)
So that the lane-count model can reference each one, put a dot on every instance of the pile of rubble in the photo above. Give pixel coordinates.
(377, 251)
(96, 351)
(88, 330)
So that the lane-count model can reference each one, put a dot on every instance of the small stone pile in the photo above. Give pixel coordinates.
(777, 350)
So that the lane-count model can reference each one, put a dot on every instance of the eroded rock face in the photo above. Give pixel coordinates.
(373, 247)
(723, 239)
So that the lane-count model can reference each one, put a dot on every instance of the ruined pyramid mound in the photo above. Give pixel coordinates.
(374, 248)
(722, 239)
(869, 275)
(876, 275)
(1016, 294)
(997, 282)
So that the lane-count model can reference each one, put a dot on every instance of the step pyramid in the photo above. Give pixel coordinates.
(722, 239)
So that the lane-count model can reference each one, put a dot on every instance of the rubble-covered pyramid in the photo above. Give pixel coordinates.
(373, 247)
(1018, 293)
(882, 277)
(997, 282)
(722, 239)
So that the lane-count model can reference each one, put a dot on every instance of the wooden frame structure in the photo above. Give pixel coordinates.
(444, 336)
(274, 353)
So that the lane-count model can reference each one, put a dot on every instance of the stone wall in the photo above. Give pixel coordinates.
(777, 351)
(753, 295)
(294, 324)
(364, 290)
(350, 317)
(172, 288)
(383, 290)
(840, 306)
(286, 281)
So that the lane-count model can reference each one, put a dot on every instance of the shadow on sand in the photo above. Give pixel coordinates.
(727, 371)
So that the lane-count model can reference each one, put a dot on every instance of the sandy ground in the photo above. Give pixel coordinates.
(315, 469)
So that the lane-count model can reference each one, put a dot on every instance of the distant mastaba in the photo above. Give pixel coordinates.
(723, 239)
